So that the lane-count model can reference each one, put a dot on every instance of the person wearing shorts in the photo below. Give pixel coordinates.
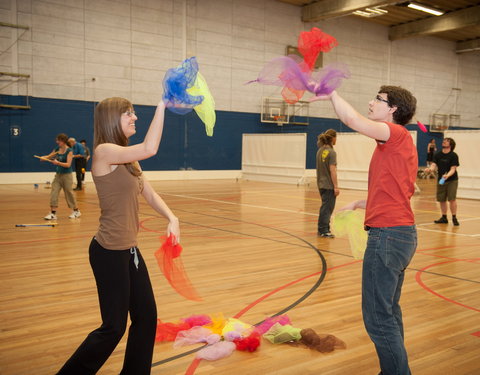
(447, 163)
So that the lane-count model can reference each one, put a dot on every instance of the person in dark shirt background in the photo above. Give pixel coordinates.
(447, 162)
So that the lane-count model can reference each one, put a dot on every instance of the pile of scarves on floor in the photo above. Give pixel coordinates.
(221, 337)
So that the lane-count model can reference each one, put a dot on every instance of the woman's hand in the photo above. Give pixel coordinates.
(174, 228)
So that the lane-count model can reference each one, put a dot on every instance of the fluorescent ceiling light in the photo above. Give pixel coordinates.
(425, 9)
(370, 12)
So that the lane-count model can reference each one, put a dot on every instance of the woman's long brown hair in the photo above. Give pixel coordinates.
(326, 138)
(108, 129)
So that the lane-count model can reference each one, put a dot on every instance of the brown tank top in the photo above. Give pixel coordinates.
(118, 195)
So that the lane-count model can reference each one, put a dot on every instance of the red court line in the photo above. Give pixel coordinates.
(256, 302)
(418, 278)
(46, 240)
(452, 259)
(345, 264)
(196, 362)
(265, 296)
(225, 237)
(435, 248)
(233, 235)
(193, 366)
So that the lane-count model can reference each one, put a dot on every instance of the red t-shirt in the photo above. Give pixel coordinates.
(391, 179)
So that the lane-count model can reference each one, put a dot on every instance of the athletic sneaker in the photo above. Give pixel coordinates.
(455, 221)
(51, 216)
(75, 214)
(326, 235)
(442, 220)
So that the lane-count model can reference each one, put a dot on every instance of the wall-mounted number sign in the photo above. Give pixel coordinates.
(15, 131)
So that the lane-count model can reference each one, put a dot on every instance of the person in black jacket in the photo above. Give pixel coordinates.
(447, 163)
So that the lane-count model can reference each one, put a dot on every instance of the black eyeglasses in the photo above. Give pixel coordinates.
(379, 99)
(129, 113)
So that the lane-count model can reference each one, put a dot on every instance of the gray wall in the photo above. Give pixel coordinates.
(127, 45)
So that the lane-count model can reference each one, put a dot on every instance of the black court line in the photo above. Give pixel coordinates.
(323, 250)
(290, 243)
(307, 245)
(283, 311)
(444, 275)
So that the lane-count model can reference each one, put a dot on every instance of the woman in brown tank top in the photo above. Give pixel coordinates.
(120, 272)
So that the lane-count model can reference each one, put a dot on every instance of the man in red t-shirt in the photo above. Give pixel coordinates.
(392, 236)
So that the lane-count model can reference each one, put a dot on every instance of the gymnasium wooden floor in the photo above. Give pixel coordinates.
(250, 250)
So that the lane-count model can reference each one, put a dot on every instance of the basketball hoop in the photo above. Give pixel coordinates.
(280, 120)
(439, 122)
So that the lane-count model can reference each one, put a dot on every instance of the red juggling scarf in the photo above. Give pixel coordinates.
(311, 43)
(169, 261)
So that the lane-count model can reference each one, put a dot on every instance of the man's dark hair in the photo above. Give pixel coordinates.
(452, 143)
(403, 99)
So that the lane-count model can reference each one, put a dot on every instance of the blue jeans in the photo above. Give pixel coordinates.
(388, 253)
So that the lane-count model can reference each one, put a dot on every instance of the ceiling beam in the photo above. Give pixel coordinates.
(451, 21)
(468, 46)
(324, 9)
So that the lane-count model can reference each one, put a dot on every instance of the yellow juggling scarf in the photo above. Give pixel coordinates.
(350, 223)
(206, 109)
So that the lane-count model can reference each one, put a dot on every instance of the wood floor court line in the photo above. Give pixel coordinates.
(283, 311)
(419, 272)
(48, 302)
(316, 214)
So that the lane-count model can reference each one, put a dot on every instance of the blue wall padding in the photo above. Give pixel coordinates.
(184, 145)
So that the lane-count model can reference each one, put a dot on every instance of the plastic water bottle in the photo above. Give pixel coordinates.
(441, 181)
(35, 186)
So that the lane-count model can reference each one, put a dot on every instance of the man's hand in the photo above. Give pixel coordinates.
(354, 205)
(320, 97)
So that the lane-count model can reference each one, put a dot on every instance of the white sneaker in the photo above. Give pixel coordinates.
(51, 216)
(75, 214)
